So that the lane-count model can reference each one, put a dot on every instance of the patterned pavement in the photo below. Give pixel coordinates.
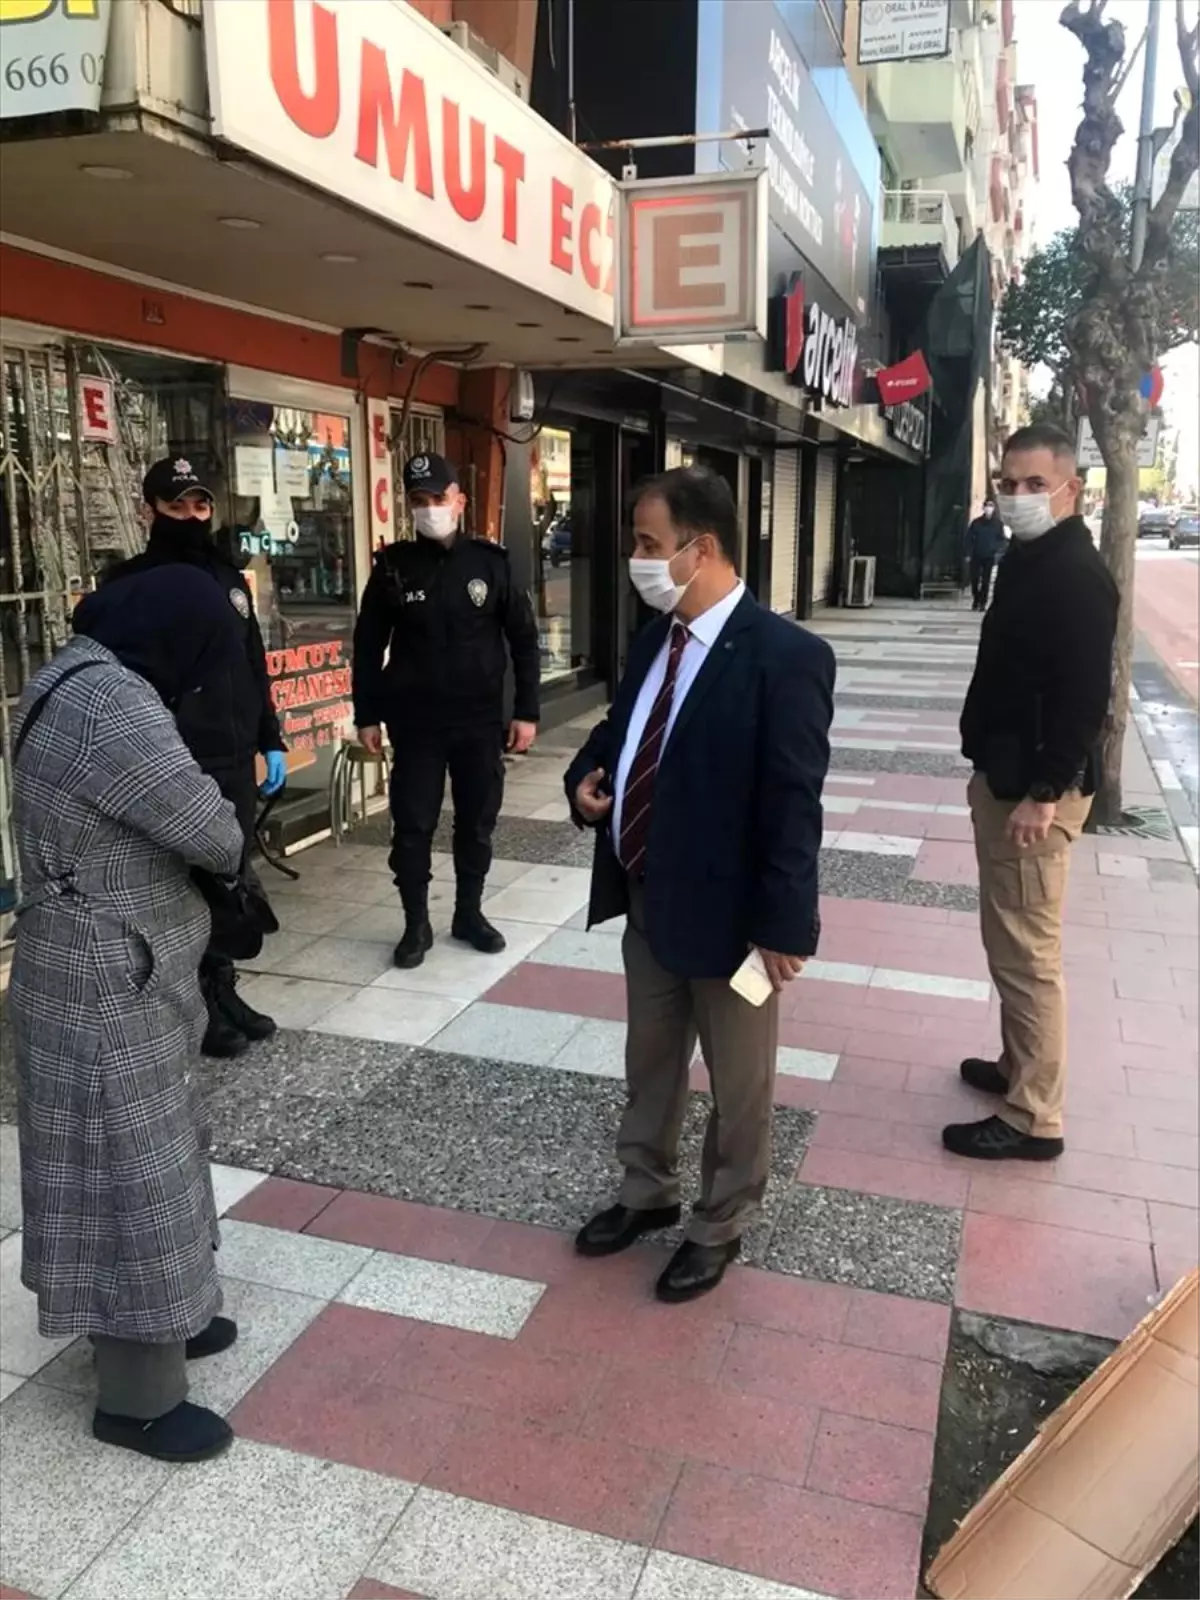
(434, 1397)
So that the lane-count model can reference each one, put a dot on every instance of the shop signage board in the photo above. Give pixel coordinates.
(374, 104)
(814, 347)
(908, 423)
(902, 30)
(97, 411)
(693, 259)
(817, 198)
(311, 690)
(52, 55)
(1087, 449)
(379, 481)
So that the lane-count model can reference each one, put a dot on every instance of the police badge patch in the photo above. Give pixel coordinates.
(478, 590)
(239, 602)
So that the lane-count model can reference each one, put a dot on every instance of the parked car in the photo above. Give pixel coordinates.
(1187, 528)
(1156, 522)
(558, 542)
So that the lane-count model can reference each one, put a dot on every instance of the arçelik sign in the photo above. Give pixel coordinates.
(813, 348)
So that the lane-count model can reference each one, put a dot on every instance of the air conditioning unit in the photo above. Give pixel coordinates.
(861, 590)
(499, 66)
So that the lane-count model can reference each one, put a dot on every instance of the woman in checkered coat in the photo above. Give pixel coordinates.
(110, 812)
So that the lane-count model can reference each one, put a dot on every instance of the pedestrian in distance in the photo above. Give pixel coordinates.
(1030, 727)
(110, 814)
(227, 726)
(703, 784)
(986, 542)
(440, 619)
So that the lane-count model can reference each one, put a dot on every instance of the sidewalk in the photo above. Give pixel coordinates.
(435, 1397)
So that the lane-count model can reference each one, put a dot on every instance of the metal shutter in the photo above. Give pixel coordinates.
(785, 521)
(823, 518)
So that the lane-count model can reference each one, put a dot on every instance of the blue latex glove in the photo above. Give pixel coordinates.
(276, 773)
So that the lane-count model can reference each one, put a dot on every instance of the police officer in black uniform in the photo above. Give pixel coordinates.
(227, 726)
(441, 608)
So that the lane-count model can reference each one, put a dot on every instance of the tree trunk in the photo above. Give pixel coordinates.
(1118, 544)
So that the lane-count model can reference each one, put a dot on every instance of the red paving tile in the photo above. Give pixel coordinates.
(789, 1305)
(1140, 1180)
(655, 1410)
(612, 1318)
(884, 1175)
(872, 1462)
(941, 862)
(1003, 1193)
(547, 1386)
(812, 1541)
(548, 988)
(1176, 1235)
(1060, 1277)
(380, 1223)
(845, 1378)
(916, 1328)
(372, 1589)
(283, 1203)
(595, 1484)
(1172, 1149)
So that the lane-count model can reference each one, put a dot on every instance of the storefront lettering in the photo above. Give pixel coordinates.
(311, 691)
(907, 424)
(397, 117)
(813, 348)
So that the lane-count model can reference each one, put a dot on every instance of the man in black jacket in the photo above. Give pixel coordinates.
(441, 608)
(228, 725)
(985, 546)
(1030, 725)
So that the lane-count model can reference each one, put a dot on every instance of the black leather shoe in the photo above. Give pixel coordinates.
(695, 1269)
(415, 945)
(983, 1075)
(995, 1140)
(473, 928)
(219, 1335)
(254, 1024)
(188, 1433)
(617, 1228)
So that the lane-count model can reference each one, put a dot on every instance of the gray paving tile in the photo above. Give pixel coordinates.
(268, 1320)
(446, 1545)
(65, 1496)
(597, 1048)
(9, 1384)
(10, 1178)
(850, 696)
(863, 875)
(922, 762)
(256, 1524)
(508, 1033)
(294, 1002)
(669, 1577)
(591, 952)
(451, 1296)
(516, 839)
(508, 1141)
(953, 896)
(297, 1262)
(22, 1348)
(892, 1246)
(333, 960)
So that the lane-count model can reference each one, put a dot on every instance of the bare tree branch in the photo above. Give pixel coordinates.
(1189, 42)
(1185, 159)
(1123, 79)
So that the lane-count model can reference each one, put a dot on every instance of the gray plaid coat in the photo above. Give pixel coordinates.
(109, 808)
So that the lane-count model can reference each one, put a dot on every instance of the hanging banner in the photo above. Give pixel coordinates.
(52, 55)
(904, 381)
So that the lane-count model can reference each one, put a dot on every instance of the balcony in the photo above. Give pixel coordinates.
(921, 224)
(918, 113)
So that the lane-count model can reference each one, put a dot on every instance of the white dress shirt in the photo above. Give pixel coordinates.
(703, 633)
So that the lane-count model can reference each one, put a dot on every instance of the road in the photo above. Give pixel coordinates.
(1167, 610)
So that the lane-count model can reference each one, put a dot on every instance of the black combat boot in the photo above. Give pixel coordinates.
(254, 1024)
(418, 932)
(222, 1039)
(470, 925)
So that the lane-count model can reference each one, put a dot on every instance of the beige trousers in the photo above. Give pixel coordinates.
(666, 1016)
(1021, 893)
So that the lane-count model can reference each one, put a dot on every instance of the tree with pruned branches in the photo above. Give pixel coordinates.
(1114, 334)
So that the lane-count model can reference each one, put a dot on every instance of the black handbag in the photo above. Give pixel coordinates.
(241, 915)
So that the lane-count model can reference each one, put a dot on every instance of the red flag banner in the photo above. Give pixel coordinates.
(905, 381)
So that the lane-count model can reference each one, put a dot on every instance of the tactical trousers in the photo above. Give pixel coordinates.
(474, 760)
(239, 787)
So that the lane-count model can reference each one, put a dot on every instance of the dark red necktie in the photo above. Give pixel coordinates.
(638, 799)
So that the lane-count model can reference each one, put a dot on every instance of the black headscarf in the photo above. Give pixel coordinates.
(172, 625)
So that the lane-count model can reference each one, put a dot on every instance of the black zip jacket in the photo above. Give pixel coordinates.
(1043, 676)
(234, 720)
(442, 615)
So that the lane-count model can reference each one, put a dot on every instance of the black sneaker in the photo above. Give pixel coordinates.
(254, 1024)
(993, 1139)
(188, 1433)
(473, 928)
(415, 945)
(983, 1075)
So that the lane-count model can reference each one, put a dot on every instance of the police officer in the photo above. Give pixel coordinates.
(441, 608)
(227, 726)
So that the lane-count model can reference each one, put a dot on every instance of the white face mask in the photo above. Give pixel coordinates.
(436, 522)
(1028, 515)
(653, 581)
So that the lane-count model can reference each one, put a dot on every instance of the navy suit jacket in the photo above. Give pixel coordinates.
(735, 832)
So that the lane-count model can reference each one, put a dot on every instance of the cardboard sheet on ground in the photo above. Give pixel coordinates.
(1109, 1484)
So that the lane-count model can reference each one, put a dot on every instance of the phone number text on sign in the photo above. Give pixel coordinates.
(52, 55)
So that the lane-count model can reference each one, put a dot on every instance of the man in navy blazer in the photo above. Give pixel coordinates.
(703, 784)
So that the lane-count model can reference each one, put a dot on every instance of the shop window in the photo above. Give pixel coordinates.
(562, 555)
(291, 490)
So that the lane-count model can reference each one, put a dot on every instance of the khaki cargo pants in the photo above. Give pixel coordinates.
(1021, 893)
